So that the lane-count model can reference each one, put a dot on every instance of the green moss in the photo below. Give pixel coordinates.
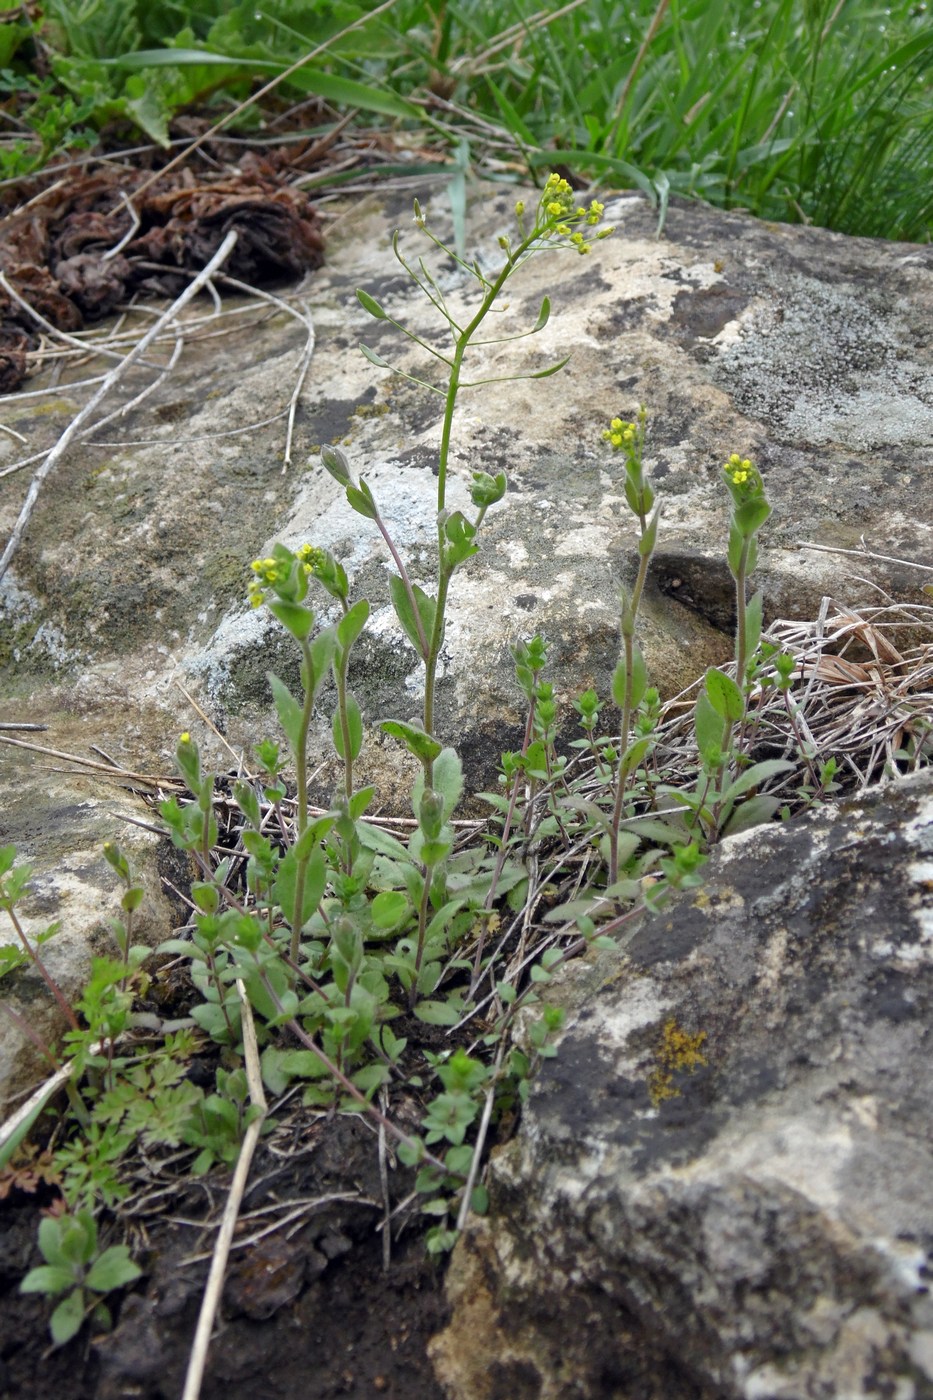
(227, 573)
(15, 642)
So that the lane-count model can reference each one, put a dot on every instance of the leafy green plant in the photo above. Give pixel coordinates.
(74, 1266)
(344, 937)
(815, 112)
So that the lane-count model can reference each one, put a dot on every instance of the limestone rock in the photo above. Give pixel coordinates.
(808, 350)
(721, 1185)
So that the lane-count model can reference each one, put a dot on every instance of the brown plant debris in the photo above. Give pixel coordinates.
(84, 245)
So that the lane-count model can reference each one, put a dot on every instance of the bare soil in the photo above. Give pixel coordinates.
(309, 1309)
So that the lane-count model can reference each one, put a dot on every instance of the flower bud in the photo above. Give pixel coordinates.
(487, 490)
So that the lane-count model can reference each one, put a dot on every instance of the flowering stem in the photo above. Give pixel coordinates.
(741, 641)
(301, 765)
(628, 645)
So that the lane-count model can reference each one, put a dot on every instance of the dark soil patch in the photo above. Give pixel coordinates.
(309, 1311)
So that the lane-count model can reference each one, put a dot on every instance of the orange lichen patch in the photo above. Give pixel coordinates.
(679, 1050)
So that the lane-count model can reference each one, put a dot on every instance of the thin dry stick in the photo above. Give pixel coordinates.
(149, 779)
(257, 96)
(215, 1279)
(58, 451)
(306, 354)
(85, 346)
(159, 380)
(134, 225)
(237, 757)
(866, 554)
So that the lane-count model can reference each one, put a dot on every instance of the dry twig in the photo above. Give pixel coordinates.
(215, 1279)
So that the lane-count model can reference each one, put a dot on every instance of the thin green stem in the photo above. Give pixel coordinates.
(43, 972)
(434, 652)
(628, 643)
(340, 673)
(741, 642)
(301, 803)
(406, 581)
(422, 933)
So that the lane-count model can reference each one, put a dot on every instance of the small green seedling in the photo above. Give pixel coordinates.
(74, 1267)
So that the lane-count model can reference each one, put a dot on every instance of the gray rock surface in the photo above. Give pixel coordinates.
(721, 1186)
(805, 349)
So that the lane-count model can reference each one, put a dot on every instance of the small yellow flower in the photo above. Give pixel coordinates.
(185, 738)
(554, 209)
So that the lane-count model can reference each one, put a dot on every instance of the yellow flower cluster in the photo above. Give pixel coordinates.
(619, 434)
(739, 469)
(558, 212)
(312, 559)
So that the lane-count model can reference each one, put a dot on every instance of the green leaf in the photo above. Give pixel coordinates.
(544, 315)
(552, 369)
(150, 105)
(48, 1278)
(639, 679)
(360, 498)
(245, 798)
(406, 613)
(371, 305)
(322, 654)
(724, 695)
(287, 708)
(389, 908)
(448, 779)
(355, 727)
(375, 358)
(751, 813)
(648, 540)
(382, 842)
(286, 884)
(114, 1269)
(370, 1078)
(428, 978)
(352, 623)
(359, 802)
(343, 91)
(315, 831)
(707, 724)
(415, 740)
(460, 535)
(438, 1013)
(654, 829)
(68, 1318)
(755, 776)
(293, 617)
(753, 612)
(751, 515)
(9, 1144)
(479, 1200)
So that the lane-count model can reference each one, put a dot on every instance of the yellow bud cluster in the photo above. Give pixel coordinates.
(557, 204)
(619, 434)
(739, 469)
